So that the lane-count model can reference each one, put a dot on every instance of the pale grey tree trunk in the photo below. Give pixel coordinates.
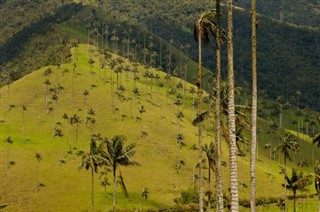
(219, 191)
(254, 111)
(234, 196)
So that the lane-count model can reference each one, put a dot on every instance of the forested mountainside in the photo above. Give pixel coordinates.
(300, 12)
(288, 53)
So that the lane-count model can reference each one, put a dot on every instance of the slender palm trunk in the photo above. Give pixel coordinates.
(294, 201)
(219, 191)
(318, 201)
(22, 130)
(254, 111)
(199, 127)
(209, 185)
(114, 188)
(234, 197)
(37, 177)
(92, 189)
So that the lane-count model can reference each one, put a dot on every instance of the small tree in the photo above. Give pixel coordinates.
(24, 108)
(39, 159)
(117, 155)
(297, 181)
(92, 160)
(8, 141)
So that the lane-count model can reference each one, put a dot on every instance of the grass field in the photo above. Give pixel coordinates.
(66, 187)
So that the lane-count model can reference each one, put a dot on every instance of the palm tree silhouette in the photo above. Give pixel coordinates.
(116, 155)
(85, 96)
(317, 181)
(47, 83)
(210, 153)
(8, 141)
(75, 121)
(288, 142)
(193, 148)
(92, 160)
(38, 157)
(297, 181)
(24, 108)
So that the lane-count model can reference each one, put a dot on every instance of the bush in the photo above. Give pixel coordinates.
(188, 196)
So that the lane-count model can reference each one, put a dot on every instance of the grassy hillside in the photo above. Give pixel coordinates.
(66, 187)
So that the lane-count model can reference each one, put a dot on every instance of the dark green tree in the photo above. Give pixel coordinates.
(92, 160)
(297, 181)
(116, 154)
(38, 157)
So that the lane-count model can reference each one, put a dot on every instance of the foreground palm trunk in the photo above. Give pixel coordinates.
(318, 201)
(92, 189)
(114, 189)
(199, 126)
(219, 191)
(254, 111)
(234, 197)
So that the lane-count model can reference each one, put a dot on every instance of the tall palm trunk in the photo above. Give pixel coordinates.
(318, 201)
(254, 110)
(37, 177)
(234, 197)
(209, 185)
(92, 189)
(199, 126)
(294, 201)
(114, 188)
(219, 191)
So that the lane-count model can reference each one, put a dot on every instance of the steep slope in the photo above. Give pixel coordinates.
(293, 11)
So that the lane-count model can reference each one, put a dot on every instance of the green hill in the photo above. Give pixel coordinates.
(287, 52)
(154, 131)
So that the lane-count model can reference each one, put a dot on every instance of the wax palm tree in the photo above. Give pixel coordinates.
(38, 157)
(210, 153)
(104, 183)
(254, 109)
(92, 160)
(202, 28)
(288, 142)
(75, 121)
(8, 141)
(193, 148)
(192, 91)
(145, 194)
(317, 181)
(180, 139)
(47, 83)
(219, 190)
(297, 181)
(234, 197)
(24, 108)
(116, 155)
(85, 96)
(65, 118)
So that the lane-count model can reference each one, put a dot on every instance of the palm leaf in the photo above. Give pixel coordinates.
(200, 118)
